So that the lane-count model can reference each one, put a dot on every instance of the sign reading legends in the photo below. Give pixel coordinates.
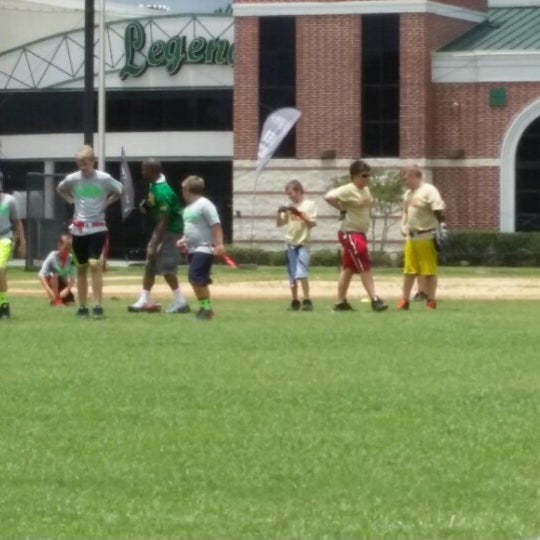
(171, 54)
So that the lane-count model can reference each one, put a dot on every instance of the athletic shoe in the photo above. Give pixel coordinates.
(57, 303)
(378, 305)
(295, 306)
(420, 297)
(431, 304)
(138, 307)
(178, 308)
(403, 304)
(83, 312)
(343, 306)
(204, 314)
(307, 305)
(4, 311)
(97, 312)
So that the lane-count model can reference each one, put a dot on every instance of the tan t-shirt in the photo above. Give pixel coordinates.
(357, 218)
(298, 233)
(420, 206)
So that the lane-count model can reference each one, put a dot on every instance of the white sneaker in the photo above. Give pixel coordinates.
(139, 305)
(178, 307)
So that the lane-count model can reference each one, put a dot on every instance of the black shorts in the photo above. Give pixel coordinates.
(89, 246)
(200, 265)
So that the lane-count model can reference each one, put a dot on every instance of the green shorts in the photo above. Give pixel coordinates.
(5, 251)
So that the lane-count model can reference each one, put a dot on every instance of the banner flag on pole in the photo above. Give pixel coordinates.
(127, 200)
(274, 130)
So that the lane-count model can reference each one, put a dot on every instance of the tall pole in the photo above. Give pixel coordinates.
(101, 88)
(88, 100)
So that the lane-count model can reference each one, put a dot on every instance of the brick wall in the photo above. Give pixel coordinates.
(420, 34)
(471, 196)
(246, 87)
(465, 120)
(328, 86)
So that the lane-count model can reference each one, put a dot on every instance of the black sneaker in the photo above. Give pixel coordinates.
(83, 312)
(307, 305)
(378, 305)
(97, 312)
(204, 314)
(343, 306)
(420, 297)
(4, 311)
(295, 305)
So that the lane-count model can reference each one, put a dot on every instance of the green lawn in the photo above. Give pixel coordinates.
(268, 424)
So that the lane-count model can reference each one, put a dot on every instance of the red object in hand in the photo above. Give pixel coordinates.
(229, 262)
(294, 211)
(58, 303)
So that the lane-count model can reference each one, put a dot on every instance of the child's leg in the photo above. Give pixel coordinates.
(200, 265)
(82, 285)
(304, 282)
(3, 286)
(5, 252)
(54, 285)
(96, 273)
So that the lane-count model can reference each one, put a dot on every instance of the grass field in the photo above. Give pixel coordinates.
(268, 424)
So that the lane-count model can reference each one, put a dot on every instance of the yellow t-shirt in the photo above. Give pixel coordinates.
(357, 218)
(298, 233)
(420, 206)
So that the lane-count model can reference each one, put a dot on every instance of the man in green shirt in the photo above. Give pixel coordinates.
(162, 255)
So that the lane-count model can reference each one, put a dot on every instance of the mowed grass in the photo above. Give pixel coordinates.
(268, 424)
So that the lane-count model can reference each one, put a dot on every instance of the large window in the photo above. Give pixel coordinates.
(380, 85)
(528, 179)
(24, 113)
(277, 72)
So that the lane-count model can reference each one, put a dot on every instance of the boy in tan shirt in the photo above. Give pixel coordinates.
(300, 218)
(354, 202)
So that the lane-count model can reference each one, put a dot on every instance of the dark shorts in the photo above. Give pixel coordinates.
(200, 265)
(168, 258)
(355, 251)
(89, 247)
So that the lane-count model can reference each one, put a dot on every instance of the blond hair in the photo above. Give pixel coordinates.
(85, 152)
(194, 184)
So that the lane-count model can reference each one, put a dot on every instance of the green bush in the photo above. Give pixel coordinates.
(325, 257)
(489, 248)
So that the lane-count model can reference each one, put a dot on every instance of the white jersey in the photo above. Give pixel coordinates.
(90, 194)
(8, 213)
(53, 265)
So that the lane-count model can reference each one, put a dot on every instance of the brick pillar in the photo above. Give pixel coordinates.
(328, 86)
(246, 88)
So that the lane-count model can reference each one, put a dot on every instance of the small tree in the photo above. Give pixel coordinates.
(387, 192)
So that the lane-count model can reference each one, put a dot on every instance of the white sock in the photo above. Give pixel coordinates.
(178, 296)
(145, 296)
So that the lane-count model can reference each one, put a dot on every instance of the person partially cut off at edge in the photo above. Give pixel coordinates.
(300, 218)
(91, 192)
(57, 274)
(9, 220)
(162, 256)
(202, 240)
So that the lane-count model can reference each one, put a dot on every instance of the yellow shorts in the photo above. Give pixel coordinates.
(5, 251)
(420, 257)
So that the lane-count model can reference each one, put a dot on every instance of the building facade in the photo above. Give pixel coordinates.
(451, 85)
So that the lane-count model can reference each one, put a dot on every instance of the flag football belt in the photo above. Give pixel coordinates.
(412, 234)
(80, 225)
(347, 233)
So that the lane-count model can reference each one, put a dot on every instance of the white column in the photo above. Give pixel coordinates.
(49, 190)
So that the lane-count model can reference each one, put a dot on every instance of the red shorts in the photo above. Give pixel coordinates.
(355, 251)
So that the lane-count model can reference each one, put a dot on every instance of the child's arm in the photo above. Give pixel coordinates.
(217, 239)
(47, 287)
(21, 238)
(282, 216)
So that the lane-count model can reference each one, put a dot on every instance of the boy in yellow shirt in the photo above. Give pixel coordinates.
(300, 218)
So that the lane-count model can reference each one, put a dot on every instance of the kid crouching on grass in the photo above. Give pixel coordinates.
(300, 219)
(203, 238)
(57, 274)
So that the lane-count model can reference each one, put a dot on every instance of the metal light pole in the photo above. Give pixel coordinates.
(88, 99)
(101, 88)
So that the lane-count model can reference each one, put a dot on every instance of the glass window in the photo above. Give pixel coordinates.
(277, 73)
(380, 85)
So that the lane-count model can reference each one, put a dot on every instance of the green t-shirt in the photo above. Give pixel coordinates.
(162, 200)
